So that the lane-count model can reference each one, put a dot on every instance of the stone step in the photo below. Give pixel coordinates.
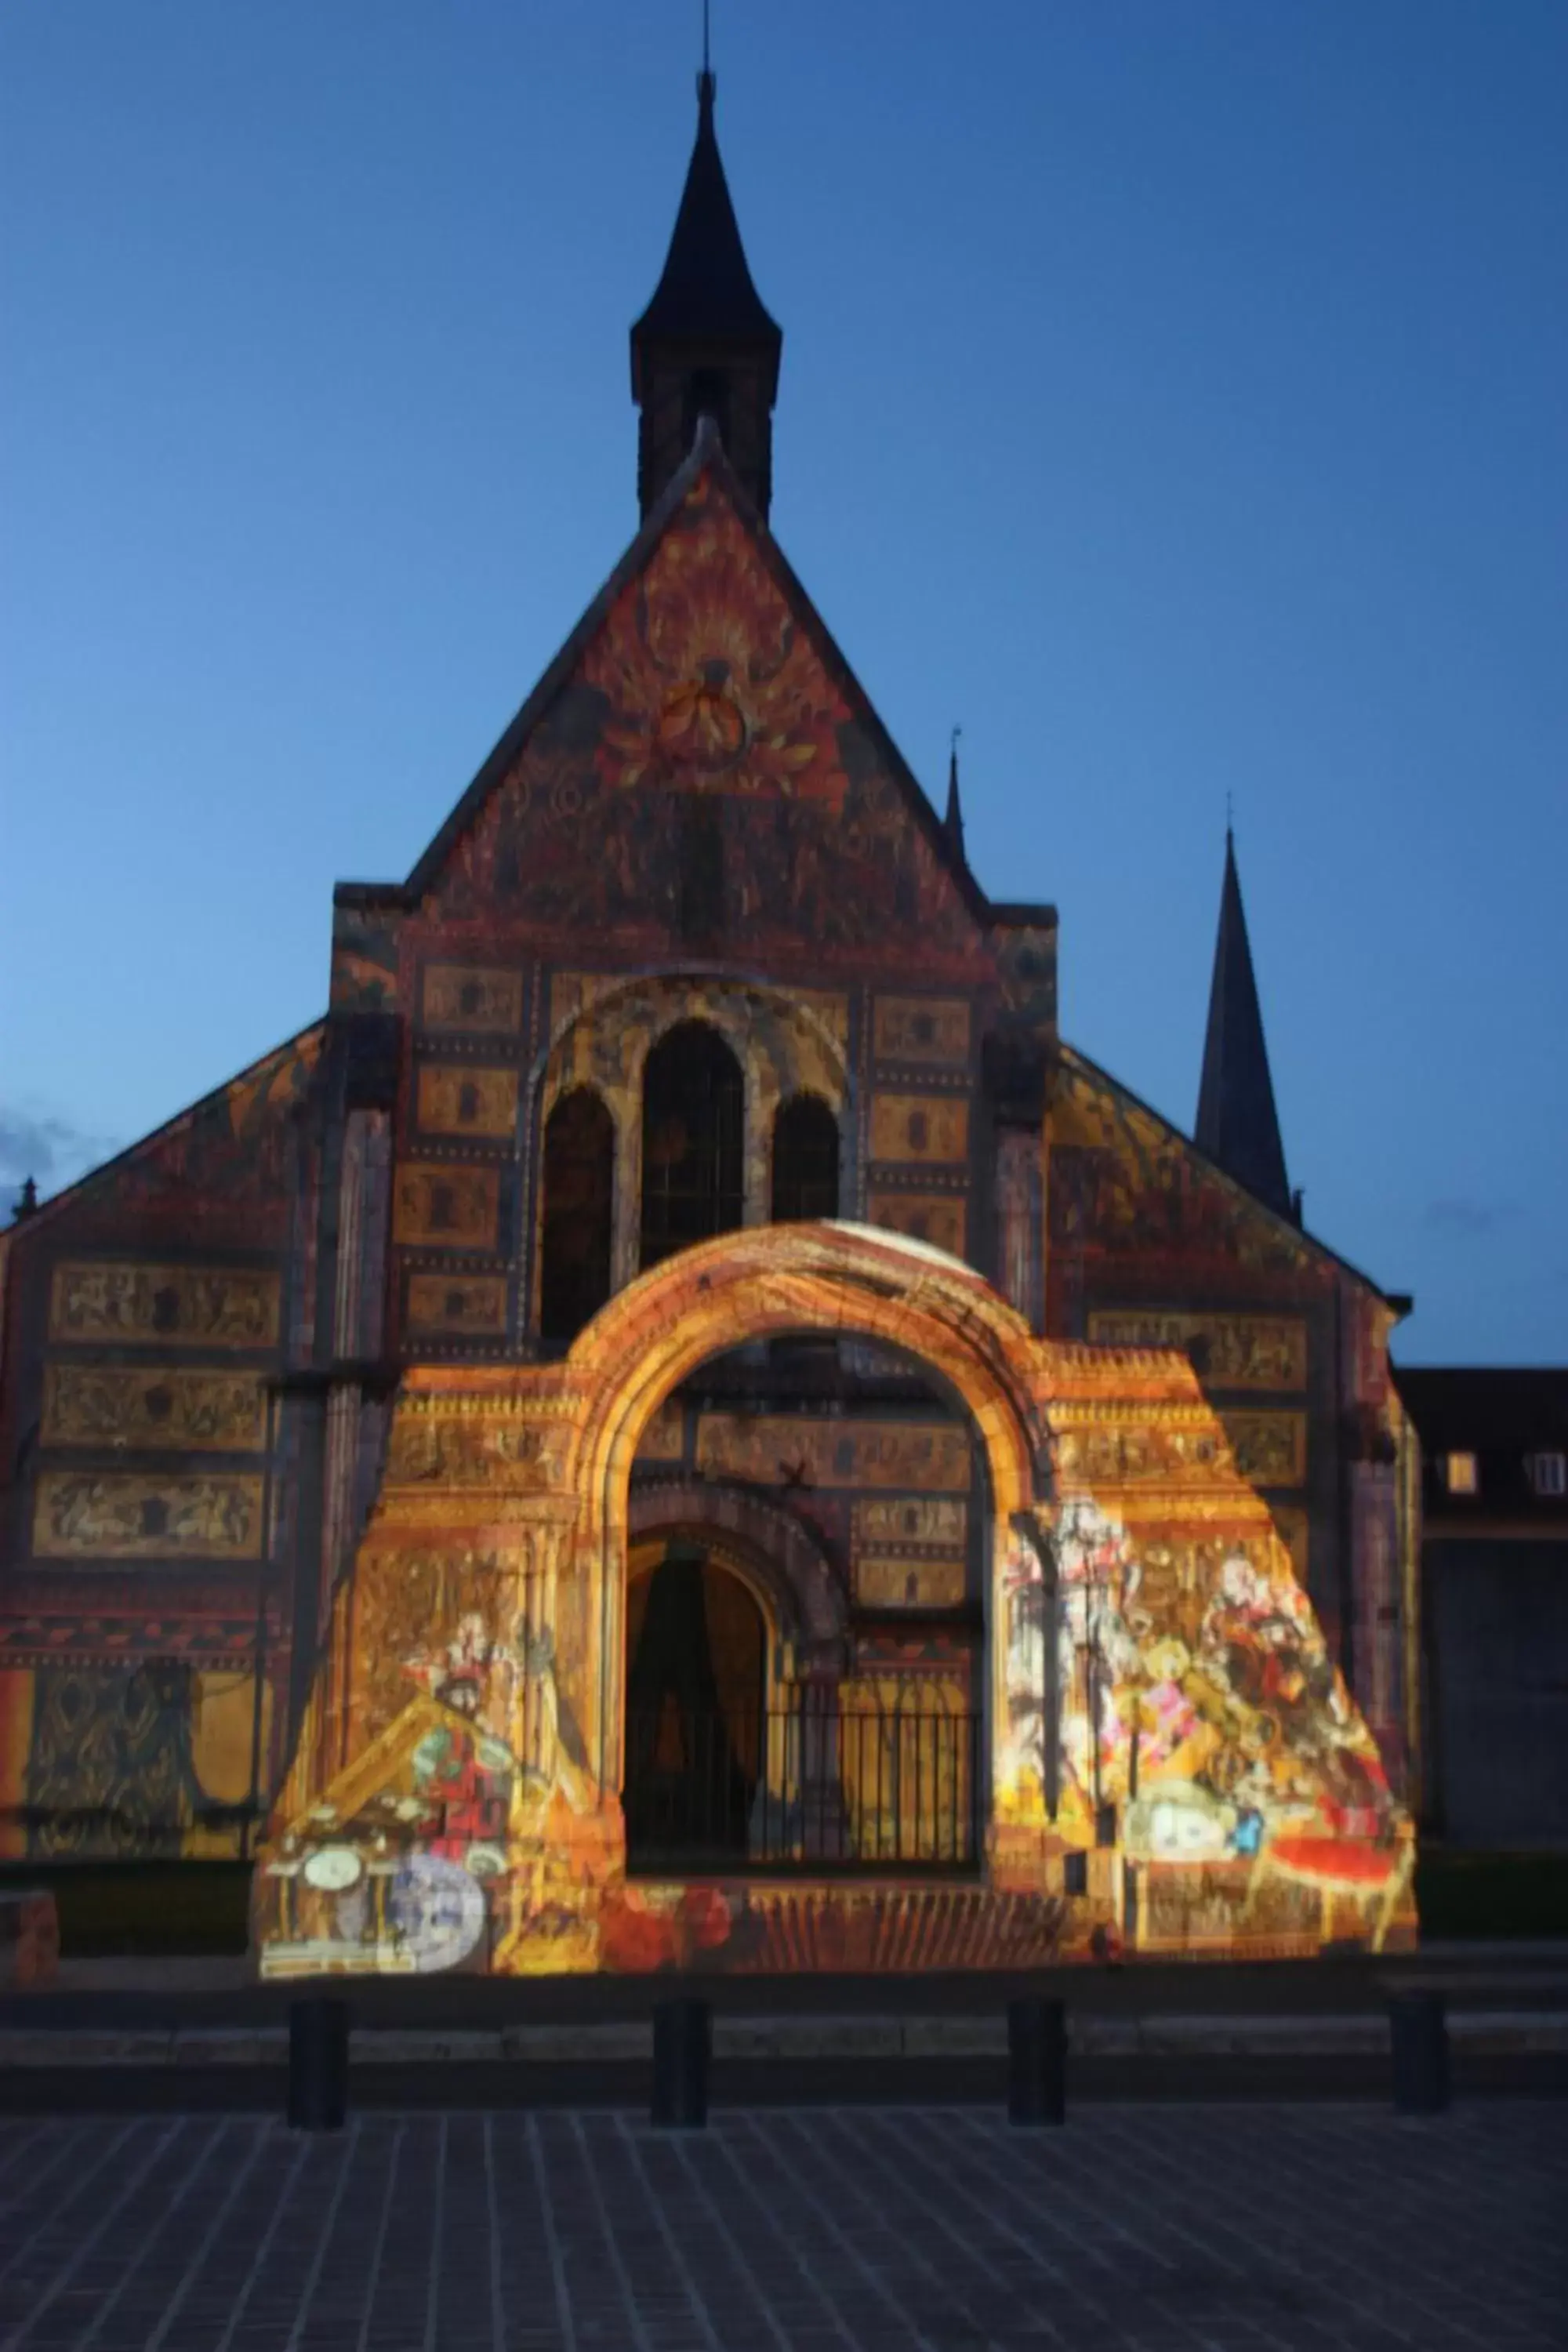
(784, 2040)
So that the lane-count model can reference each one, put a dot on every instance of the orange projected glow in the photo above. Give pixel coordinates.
(1147, 1745)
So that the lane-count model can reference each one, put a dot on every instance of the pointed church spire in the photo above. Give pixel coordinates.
(1237, 1125)
(953, 823)
(705, 345)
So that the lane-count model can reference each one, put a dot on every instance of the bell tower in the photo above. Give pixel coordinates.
(705, 346)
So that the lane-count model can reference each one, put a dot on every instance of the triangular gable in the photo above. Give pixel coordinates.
(203, 1142)
(703, 672)
(1094, 1111)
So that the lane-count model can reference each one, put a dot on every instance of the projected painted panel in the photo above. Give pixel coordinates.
(922, 1029)
(170, 1409)
(1229, 1351)
(1271, 1448)
(133, 1304)
(80, 1515)
(788, 1449)
(473, 998)
(926, 1522)
(920, 1127)
(466, 1305)
(462, 1098)
(446, 1205)
(898, 1581)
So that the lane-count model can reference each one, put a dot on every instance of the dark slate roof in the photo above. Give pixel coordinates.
(1503, 1416)
(706, 294)
(1475, 1409)
(1237, 1125)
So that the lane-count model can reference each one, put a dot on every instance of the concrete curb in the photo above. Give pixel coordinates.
(788, 2038)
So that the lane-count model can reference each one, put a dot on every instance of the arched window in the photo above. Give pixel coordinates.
(692, 1118)
(579, 1182)
(805, 1160)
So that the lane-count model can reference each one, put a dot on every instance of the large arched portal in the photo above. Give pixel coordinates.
(1166, 1756)
(848, 1490)
(914, 1302)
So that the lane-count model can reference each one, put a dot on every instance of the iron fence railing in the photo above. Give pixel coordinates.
(805, 1787)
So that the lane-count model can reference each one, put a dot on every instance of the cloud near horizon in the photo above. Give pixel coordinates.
(53, 1151)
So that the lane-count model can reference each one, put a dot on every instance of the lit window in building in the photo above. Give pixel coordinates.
(1461, 1472)
(1548, 1473)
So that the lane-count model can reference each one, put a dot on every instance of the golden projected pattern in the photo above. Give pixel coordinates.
(462, 1100)
(109, 1516)
(1271, 1448)
(934, 1217)
(444, 1807)
(501, 1447)
(1229, 1351)
(447, 1207)
(174, 1409)
(472, 998)
(1176, 1447)
(469, 1307)
(789, 1449)
(920, 1127)
(134, 1305)
(920, 1029)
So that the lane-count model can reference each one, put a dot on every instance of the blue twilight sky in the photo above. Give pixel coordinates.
(1175, 391)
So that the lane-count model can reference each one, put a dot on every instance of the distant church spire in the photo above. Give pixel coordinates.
(1237, 1125)
(705, 345)
(953, 823)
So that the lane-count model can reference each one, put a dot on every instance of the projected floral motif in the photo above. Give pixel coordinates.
(707, 679)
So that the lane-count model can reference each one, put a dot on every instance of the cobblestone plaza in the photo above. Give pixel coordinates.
(1190, 2229)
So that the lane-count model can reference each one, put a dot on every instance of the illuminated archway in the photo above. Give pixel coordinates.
(1210, 1787)
(762, 1284)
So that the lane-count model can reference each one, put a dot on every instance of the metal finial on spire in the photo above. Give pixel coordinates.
(707, 69)
(1227, 817)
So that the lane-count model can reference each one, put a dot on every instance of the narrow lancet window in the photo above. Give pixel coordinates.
(693, 1123)
(579, 1187)
(805, 1160)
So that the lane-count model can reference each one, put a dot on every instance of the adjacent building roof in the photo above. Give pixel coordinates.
(1503, 1419)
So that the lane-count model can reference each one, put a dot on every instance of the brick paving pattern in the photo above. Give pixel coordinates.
(1199, 2229)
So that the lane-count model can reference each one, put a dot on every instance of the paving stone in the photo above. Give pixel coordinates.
(1135, 2229)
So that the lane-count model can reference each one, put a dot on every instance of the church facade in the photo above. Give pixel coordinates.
(682, 1423)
